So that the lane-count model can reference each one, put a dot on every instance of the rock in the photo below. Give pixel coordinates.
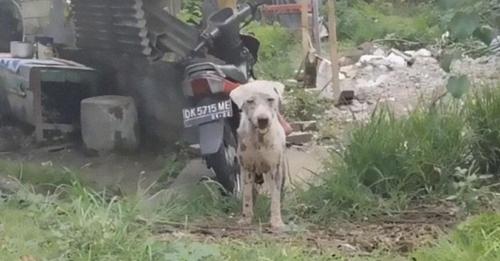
(371, 59)
(310, 126)
(411, 53)
(8, 185)
(299, 138)
(291, 82)
(349, 71)
(324, 74)
(109, 123)
(368, 68)
(300, 126)
(379, 52)
(357, 106)
(396, 60)
(423, 53)
(345, 61)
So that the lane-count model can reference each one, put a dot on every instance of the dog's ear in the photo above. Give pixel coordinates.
(239, 95)
(279, 89)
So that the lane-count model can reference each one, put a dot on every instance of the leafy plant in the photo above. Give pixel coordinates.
(277, 54)
(469, 18)
(304, 105)
(191, 11)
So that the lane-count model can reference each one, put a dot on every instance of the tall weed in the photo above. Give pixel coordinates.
(394, 160)
(483, 116)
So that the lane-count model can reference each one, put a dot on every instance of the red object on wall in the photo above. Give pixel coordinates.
(283, 9)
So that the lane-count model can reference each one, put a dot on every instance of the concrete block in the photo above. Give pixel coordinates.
(109, 123)
(299, 126)
(299, 138)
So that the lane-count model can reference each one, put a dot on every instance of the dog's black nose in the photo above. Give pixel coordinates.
(262, 123)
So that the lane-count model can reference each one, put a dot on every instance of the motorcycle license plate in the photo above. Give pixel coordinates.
(206, 113)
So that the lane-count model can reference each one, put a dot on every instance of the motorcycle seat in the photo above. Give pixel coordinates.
(228, 70)
(233, 72)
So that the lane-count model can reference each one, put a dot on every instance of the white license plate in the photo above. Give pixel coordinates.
(206, 113)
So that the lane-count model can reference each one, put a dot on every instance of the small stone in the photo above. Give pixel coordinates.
(370, 59)
(346, 61)
(310, 126)
(8, 186)
(379, 52)
(423, 53)
(396, 60)
(357, 106)
(369, 68)
(349, 71)
(299, 138)
(411, 53)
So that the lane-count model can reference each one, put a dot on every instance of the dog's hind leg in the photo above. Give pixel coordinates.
(248, 197)
(275, 183)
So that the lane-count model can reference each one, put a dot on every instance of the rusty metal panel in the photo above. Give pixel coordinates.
(131, 26)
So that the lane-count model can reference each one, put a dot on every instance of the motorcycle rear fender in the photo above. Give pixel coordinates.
(211, 135)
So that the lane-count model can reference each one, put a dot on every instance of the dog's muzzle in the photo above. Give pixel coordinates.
(263, 123)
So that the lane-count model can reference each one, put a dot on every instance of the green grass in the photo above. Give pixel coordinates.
(359, 21)
(43, 177)
(76, 223)
(394, 160)
(477, 239)
(483, 110)
(278, 57)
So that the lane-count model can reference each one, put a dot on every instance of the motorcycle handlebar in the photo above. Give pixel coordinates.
(243, 13)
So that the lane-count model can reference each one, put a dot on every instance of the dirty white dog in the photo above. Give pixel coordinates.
(261, 146)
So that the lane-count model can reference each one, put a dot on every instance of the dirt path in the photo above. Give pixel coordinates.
(399, 234)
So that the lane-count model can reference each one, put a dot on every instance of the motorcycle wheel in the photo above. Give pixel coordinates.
(225, 163)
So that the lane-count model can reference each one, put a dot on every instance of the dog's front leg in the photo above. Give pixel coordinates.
(275, 185)
(248, 187)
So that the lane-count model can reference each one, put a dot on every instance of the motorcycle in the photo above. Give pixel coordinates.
(222, 61)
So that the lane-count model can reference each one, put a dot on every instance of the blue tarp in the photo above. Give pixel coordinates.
(14, 64)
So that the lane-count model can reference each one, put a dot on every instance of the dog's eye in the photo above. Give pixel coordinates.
(270, 99)
(250, 101)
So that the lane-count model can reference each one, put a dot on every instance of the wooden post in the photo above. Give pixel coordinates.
(315, 26)
(332, 36)
(226, 3)
(305, 26)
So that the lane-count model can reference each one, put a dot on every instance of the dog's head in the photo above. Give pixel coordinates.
(259, 101)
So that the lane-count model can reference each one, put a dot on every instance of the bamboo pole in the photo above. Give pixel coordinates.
(315, 26)
(332, 36)
(304, 19)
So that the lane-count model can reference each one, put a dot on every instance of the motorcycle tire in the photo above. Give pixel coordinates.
(225, 163)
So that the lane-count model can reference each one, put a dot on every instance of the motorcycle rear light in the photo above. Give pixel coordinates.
(230, 86)
(200, 87)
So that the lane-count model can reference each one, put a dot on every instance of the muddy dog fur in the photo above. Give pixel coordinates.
(261, 146)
